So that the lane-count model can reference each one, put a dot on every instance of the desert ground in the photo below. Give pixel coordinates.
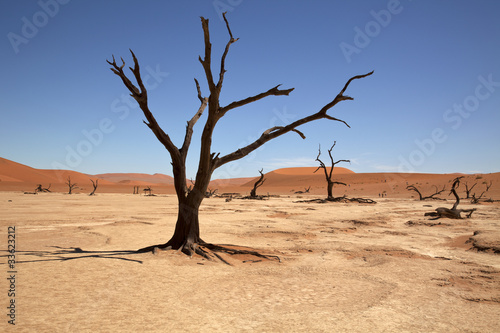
(343, 267)
(331, 267)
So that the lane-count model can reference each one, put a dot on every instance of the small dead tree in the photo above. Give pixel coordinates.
(148, 191)
(210, 193)
(186, 236)
(39, 188)
(474, 199)
(468, 190)
(452, 213)
(306, 190)
(328, 174)
(94, 185)
(258, 183)
(429, 197)
(71, 186)
(136, 190)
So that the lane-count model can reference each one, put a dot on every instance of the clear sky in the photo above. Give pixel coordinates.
(432, 105)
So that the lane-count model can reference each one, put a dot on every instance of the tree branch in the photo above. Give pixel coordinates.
(141, 97)
(226, 50)
(321, 164)
(276, 132)
(206, 62)
(192, 122)
(271, 92)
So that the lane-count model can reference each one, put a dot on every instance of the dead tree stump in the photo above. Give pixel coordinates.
(452, 213)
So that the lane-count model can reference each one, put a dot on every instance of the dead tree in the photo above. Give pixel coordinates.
(452, 213)
(429, 197)
(94, 185)
(306, 190)
(186, 236)
(475, 200)
(148, 191)
(468, 190)
(210, 193)
(71, 186)
(136, 190)
(258, 183)
(39, 188)
(328, 174)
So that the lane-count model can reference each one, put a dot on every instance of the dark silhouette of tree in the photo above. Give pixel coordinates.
(258, 183)
(186, 235)
(148, 191)
(210, 193)
(454, 212)
(39, 188)
(306, 190)
(94, 185)
(429, 197)
(475, 199)
(328, 174)
(71, 186)
(468, 190)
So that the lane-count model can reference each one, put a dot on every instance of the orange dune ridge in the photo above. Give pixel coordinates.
(309, 170)
(287, 181)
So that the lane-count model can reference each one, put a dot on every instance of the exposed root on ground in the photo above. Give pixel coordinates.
(343, 199)
(214, 252)
(257, 197)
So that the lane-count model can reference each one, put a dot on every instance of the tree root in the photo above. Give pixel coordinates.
(211, 252)
(340, 199)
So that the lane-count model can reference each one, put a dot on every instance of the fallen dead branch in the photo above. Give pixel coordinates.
(452, 213)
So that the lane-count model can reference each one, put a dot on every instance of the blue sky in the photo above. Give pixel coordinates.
(432, 105)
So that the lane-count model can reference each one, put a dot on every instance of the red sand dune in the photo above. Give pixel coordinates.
(137, 178)
(309, 171)
(18, 177)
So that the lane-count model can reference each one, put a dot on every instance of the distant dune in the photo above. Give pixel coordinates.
(137, 178)
(309, 170)
(287, 181)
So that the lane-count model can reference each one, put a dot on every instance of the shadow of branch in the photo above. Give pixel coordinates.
(72, 253)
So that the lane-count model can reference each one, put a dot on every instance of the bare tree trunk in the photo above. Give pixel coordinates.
(468, 190)
(329, 174)
(94, 184)
(330, 188)
(258, 183)
(186, 235)
(71, 186)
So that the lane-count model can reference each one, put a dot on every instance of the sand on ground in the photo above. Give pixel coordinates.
(344, 267)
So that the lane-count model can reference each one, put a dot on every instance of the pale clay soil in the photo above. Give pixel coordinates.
(344, 267)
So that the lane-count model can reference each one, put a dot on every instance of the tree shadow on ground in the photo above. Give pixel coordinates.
(66, 254)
